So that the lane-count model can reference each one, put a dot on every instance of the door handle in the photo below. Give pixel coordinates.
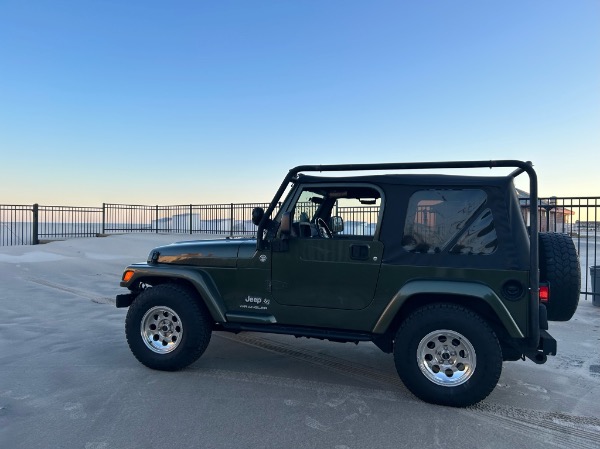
(359, 252)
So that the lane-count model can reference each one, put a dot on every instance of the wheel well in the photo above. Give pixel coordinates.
(157, 280)
(474, 304)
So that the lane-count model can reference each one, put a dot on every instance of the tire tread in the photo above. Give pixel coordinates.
(463, 395)
(198, 329)
(559, 265)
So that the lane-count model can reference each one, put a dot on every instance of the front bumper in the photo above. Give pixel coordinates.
(125, 300)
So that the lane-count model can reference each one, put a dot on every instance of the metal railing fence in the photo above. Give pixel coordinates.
(358, 220)
(577, 217)
(65, 222)
(227, 219)
(16, 225)
(31, 224)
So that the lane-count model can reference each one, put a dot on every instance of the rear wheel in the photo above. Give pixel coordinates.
(559, 266)
(167, 328)
(446, 354)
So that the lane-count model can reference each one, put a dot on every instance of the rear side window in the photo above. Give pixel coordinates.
(480, 238)
(435, 218)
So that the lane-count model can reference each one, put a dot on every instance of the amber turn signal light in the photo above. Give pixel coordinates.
(127, 276)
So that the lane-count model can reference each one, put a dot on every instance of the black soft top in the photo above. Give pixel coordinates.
(502, 200)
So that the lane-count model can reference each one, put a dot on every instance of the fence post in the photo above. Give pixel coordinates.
(34, 237)
(103, 218)
(231, 221)
(191, 219)
(157, 218)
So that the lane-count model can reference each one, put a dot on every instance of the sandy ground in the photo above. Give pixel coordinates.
(68, 380)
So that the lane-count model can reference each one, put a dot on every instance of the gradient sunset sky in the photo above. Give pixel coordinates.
(179, 102)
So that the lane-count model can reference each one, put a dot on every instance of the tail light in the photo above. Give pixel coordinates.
(544, 293)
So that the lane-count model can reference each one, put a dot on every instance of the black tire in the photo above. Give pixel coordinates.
(469, 341)
(167, 327)
(559, 266)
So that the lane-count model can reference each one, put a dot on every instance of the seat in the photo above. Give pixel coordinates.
(306, 228)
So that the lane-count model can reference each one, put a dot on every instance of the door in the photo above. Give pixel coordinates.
(330, 268)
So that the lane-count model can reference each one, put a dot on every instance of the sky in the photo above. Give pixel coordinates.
(181, 102)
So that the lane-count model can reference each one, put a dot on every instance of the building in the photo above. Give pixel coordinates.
(552, 216)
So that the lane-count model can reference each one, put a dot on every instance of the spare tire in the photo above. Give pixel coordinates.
(559, 266)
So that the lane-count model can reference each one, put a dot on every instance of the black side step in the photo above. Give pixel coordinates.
(298, 331)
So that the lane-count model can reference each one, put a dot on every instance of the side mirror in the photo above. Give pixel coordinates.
(257, 215)
(336, 224)
(285, 227)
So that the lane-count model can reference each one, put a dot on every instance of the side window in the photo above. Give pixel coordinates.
(480, 238)
(436, 217)
(307, 205)
(360, 215)
(336, 212)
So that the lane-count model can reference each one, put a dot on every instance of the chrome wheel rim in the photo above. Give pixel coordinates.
(446, 358)
(161, 329)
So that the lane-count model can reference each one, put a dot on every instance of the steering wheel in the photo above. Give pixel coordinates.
(323, 229)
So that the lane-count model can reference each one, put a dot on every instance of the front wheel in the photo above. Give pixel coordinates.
(446, 354)
(167, 328)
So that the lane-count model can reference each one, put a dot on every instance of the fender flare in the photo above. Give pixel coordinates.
(458, 288)
(199, 279)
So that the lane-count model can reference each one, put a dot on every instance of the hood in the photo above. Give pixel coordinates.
(206, 253)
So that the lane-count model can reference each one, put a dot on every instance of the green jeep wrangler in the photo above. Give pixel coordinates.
(442, 271)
